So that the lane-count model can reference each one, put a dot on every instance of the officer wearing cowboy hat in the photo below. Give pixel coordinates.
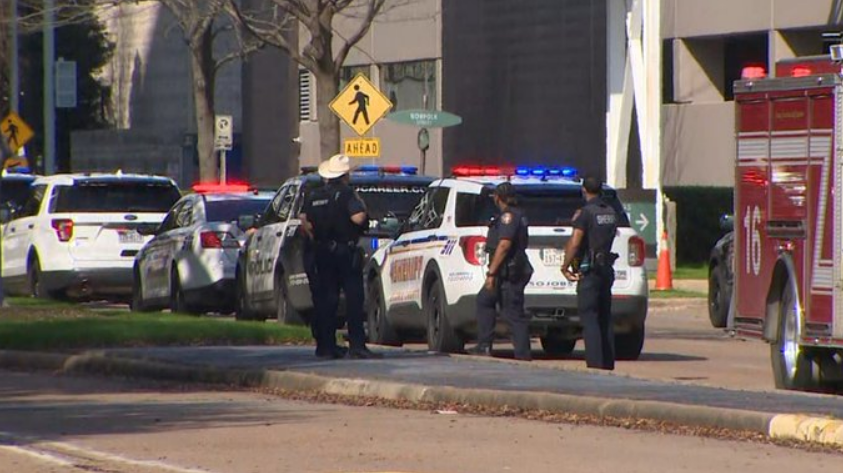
(334, 218)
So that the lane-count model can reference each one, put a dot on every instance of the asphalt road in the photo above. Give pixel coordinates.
(76, 425)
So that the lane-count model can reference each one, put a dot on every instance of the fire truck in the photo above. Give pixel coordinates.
(788, 226)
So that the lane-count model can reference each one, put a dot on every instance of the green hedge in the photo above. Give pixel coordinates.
(698, 212)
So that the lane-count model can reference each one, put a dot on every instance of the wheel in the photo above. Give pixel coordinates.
(792, 367)
(33, 274)
(378, 327)
(441, 337)
(628, 345)
(554, 344)
(137, 304)
(287, 314)
(177, 302)
(243, 310)
(718, 298)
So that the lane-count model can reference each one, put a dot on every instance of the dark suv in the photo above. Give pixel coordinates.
(271, 278)
(721, 275)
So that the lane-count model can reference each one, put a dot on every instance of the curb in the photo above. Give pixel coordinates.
(826, 431)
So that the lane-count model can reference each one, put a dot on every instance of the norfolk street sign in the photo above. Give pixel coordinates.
(223, 132)
(426, 118)
(362, 148)
(360, 104)
(15, 131)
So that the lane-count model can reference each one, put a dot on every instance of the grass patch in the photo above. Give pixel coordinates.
(686, 272)
(677, 294)
(38, 303)
(82, 328)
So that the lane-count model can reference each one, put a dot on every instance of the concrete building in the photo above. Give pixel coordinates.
(706, 44)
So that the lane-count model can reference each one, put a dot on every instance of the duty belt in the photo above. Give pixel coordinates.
(332, 245)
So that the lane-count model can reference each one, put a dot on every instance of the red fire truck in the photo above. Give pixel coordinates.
(788, 226)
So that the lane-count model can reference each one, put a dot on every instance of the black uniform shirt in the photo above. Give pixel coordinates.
(329, 208)
(510, 225)
(599, 221)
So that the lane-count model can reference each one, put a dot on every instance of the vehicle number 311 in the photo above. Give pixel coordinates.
(752, 234)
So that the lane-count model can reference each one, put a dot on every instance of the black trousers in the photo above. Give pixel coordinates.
(594, 301)
(335, 270)
(510, 296)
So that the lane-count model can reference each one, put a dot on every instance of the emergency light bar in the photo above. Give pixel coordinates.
(387, 169)
(212, 188)
(521, 171)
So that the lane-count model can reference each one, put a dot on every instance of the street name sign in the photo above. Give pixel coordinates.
(426, 118)
(15, 131)
(362, 147)
(360, 104)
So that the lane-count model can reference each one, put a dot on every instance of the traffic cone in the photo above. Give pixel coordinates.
(664, 276)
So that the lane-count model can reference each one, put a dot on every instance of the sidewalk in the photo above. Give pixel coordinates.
(424, 377)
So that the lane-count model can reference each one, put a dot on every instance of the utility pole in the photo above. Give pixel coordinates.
(49, 88)
(14, 82)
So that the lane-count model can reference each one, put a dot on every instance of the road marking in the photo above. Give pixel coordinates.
(69, 455)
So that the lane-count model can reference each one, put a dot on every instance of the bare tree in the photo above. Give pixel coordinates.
(202, 23)
(276, 21)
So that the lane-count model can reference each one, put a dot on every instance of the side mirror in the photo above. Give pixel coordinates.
(245, 222)
(148, 229)
(727, 223)
(7, 213)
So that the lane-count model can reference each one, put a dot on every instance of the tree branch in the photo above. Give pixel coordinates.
(375, 7)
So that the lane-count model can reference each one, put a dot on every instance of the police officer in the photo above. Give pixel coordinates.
(508, 275)
(595, 226)
(334, 217)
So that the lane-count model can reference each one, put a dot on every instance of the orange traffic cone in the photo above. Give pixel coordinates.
(664, 276)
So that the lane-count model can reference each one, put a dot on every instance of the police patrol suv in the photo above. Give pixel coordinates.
(271, 276)
(76, 234)
(189, 265)
(424, 284)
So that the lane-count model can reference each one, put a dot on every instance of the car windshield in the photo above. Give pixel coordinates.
(14, 192)
(99, 196)
(231, 210)
(384, 198)
(544, 206)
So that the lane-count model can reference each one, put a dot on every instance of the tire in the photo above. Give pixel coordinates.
(554, 344)
(441, 336)
(137, 304)
(33, 277)
(379, 330)
(177, 301)
(242, 310)
(718, 298)
(287, 314)
(792, 367)
(628, 345)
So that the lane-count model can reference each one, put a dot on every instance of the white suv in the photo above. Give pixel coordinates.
(424, 284)
(76, 235)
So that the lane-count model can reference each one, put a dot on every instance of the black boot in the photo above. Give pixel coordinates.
(481, 349)
(363, 353)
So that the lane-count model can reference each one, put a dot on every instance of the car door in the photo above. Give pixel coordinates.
(153, 263)
(19, 234)
(292, 256)
(179, 239)
(409, 254)
(272, 240)
(258, 261)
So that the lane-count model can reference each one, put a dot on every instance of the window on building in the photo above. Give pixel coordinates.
(740, 51)
(305, 95)
(349, 72)
(667, 71)
(410, 85)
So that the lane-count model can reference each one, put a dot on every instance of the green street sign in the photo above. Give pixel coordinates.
(642, 217)
(425, 118)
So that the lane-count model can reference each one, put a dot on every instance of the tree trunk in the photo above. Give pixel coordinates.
(202, 66)
(327, 86)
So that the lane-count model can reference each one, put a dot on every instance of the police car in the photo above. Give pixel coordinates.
(189, 265)
(76, 234)
(271, 277)
(423, 286)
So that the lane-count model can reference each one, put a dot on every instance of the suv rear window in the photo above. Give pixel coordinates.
(396, 198)
(14, 192)
(126, 196)
(231, 210)
(544, 206)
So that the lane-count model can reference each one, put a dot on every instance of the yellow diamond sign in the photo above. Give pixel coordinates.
(15, 131)
(360, 104)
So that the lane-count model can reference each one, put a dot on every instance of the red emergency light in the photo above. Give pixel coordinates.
(480, 171)
(753, 72)
(801, 71)
(216, 188)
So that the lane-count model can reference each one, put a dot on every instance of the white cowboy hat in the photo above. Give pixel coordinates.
(337, 166)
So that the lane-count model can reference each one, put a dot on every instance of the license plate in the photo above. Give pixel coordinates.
(129, 236)
(552, 257)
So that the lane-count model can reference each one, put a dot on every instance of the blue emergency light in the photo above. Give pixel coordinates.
(387, 169)
(543, 171)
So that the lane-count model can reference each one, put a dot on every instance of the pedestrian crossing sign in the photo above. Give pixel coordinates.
(360, 104)
(15, 131)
